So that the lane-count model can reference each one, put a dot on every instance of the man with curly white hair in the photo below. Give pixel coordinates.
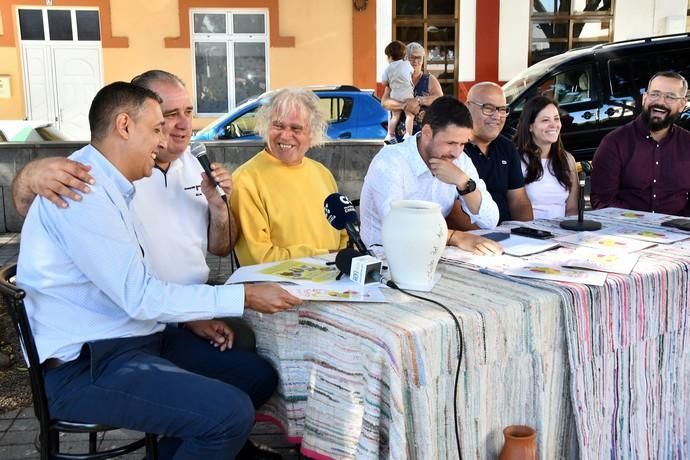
(278, 194)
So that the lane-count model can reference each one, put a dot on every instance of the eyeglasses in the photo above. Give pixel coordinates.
(668, 97)
(415, 58)
(490, 109)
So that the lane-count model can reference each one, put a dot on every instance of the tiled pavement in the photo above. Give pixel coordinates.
(19, 428)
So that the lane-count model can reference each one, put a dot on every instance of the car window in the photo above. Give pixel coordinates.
(244, 125)
(336, 109)
(630, 75)
(568, 87)
(527, 77)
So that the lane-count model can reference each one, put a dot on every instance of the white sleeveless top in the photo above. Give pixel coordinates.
(547, 195)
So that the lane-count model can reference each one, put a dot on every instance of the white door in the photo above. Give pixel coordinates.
(77, 80)
(39, 82)
(61, 65)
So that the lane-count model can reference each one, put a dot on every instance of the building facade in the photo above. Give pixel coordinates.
(55, 54)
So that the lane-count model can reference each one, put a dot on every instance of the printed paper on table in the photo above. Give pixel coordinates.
(611, 262)
(653, 235)
(361, 294)
(556, 273)
(606, 242)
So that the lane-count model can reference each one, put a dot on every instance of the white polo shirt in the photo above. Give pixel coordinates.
(173, 214)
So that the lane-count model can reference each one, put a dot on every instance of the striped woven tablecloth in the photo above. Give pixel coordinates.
(376, 380)
(629, 355)
(600, 372)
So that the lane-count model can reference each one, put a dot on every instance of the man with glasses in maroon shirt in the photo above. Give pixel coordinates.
(644, 165)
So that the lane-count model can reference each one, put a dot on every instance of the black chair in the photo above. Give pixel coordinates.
(49, 435)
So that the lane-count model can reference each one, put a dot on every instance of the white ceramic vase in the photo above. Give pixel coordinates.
(414, 234)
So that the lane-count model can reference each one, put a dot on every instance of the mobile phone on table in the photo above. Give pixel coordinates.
(681, 224)
(531, 233)
(496, 236)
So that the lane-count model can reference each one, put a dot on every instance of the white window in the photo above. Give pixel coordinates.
(560, 25)
(230, 65)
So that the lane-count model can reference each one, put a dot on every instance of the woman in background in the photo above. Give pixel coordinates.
(426, 89)
(550, 172)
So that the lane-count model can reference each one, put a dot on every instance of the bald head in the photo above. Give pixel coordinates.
(487, 103)
(483, 87)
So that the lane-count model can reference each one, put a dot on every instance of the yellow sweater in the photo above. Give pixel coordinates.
(279, 209)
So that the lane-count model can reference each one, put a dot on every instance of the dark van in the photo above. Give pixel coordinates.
(598, 88)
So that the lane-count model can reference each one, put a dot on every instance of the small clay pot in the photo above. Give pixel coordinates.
(520, 443)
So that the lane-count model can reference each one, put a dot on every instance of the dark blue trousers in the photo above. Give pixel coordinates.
(172, 383)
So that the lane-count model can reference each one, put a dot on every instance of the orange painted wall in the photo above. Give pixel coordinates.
(323, 46)
(364, 45)
(322, 52)
(12, 108)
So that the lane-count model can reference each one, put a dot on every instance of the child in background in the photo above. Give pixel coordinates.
(398, 77)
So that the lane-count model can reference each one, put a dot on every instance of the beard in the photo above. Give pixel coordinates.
(657, 124)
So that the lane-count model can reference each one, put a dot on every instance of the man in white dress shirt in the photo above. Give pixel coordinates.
(182, 216)
(431, 166)
(98, 313)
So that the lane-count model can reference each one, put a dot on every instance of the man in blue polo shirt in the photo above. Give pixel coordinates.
(495, 157)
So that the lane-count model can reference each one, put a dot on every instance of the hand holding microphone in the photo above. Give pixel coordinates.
(199, 151)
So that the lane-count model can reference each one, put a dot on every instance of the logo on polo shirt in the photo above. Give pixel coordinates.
(504, 162)
(196, 189)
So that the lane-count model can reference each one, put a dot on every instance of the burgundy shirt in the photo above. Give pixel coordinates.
(631, 170)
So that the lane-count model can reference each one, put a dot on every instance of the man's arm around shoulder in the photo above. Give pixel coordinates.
(55, 178)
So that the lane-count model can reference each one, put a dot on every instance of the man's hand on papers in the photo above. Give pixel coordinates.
(476, 244)
(268, 298)
(217, 332)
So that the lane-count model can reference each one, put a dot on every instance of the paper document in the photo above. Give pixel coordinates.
(305, 271)
(309, 278)
(298, 270)
(458, 257)
(555, 273)
(653, 235)
(520, 246)
(612, 262)
(602, 241)
(360, 294)
(629, 215)
(516, 245)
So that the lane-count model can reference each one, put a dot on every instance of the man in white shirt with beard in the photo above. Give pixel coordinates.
(431, 166)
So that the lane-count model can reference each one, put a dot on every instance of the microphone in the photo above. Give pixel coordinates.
(199, 151)
(341, 214)
(581, 224)
(362, 269)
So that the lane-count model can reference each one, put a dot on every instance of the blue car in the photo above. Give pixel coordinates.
(352, 114)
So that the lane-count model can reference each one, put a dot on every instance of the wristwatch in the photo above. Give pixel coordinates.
(470, 187)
